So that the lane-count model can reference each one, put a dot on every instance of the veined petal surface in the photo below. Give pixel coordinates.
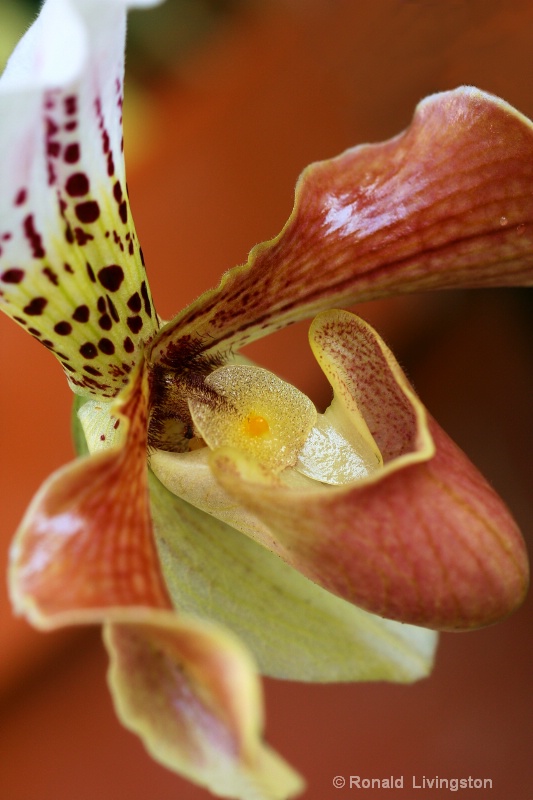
(190, 690)
(424, 540)
(71, 268)
(446, 204)
(86, 543)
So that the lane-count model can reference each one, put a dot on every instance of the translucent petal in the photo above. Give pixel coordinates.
(329, 456)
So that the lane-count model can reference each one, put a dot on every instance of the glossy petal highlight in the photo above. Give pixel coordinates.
(445, 204)
(71, 268)
(425, 540)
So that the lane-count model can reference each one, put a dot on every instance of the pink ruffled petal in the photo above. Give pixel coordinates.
(425, 540)
(86, 543)
(191, 692)
(446, 204)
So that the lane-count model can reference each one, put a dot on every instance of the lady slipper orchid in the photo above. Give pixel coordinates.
(365, 528)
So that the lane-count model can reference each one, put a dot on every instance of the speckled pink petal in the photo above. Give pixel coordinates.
(425, 540)
(86, 542)
(447, 203)
(190, 690)
(71, 268)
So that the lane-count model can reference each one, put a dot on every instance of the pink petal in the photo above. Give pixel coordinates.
(448, 203)
(426, 540)
(190, 690)
(86, 543)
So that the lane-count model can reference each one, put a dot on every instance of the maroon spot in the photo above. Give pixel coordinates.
(117, 191)
(53, 149)
(81, 314)
(82, 237)
(146, 298)
(77, 185)
(71, 104)
(69, 236)
(51, 127)
(51, 174)
(63, 328)
(110, 165)
(14, 275)
(21, 197)
(88, 211)
(90, 272)
(112, 310)
(51, 275)
(68, 268)
(142, 256)
(130, 248)
(68, 366)
(123, 211)
(48, 343)
(20, 320)
(134, 324)
(34, 332)
(100, 305)
(88, 350)
(105, 322)
(93, 371)
(71, 126)
(6, 237)
(126, 367)
(102, 437)
(106, 346)
(111, 277)
(36, 307)
(117, 423)
(72, 153)
(33, 237)
(129, 347)
(105, 141)
(134, 303)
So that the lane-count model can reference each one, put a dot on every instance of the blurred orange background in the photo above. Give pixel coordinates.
(216, 148)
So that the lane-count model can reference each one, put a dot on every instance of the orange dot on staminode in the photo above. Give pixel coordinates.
(256, 425)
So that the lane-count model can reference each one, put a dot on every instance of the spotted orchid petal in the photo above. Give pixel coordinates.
(423, 540)
(191, 692)
(446, 204)
(71, 268)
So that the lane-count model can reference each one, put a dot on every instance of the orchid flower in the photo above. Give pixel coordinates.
(216, 523)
